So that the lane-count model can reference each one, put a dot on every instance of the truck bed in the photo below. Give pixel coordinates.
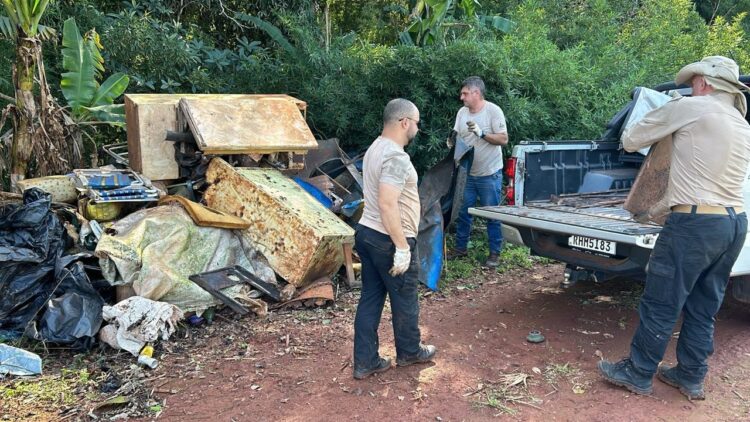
(597, 215)
(611, 219)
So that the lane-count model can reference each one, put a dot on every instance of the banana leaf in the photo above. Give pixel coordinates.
(112, 88)
(270, 29)
(113, 114)
(499, 23)
(8, 30)
(79, 83)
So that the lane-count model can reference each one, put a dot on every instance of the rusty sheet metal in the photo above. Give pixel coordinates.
(647, 198)
(148, 118)
(247, 125)
(319, 292)
(301, 239)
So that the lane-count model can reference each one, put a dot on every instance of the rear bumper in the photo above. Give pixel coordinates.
(630, 260)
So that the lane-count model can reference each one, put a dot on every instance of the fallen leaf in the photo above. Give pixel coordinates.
(401, 398)
(536, 370)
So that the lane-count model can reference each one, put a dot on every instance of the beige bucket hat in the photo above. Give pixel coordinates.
(713, 66)
(720, 72)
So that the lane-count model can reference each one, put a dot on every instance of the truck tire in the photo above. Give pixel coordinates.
(741, 288)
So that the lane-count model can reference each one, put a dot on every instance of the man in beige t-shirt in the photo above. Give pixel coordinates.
(386, 244)
(688, 270)
(480, 124)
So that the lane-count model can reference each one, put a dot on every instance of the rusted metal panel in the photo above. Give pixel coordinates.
(148, 118)
(647, 198)
(301, 239)
(262, 125)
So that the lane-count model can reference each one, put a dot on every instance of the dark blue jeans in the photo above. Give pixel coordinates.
(687, 273)
(376, 250)
(486, 189)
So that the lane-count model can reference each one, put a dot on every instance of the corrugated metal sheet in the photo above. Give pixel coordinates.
(301, 239)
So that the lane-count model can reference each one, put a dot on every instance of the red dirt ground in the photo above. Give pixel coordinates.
(296, 367)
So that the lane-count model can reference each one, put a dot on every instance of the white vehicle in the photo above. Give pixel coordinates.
(564, 201)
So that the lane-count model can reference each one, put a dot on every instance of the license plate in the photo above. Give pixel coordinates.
(598, 245)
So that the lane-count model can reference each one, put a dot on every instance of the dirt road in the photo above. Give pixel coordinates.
(297, 367)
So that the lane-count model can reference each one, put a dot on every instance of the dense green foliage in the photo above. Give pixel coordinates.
(561, 74)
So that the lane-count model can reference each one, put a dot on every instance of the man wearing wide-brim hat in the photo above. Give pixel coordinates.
(689, 267)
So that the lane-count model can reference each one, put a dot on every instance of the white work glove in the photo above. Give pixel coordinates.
(473, 127)
(401, 260)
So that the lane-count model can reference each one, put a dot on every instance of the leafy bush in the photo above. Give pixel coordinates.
(561, 74)
(555, 78)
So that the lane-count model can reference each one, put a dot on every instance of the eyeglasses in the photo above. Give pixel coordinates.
(418, 122)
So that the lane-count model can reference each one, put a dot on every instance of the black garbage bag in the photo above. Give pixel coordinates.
(38, 283)
(74, 314)
(31, 241)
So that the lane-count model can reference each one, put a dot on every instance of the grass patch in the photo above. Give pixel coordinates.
(45, 391)
(512, 256)
(509, 390)
(554, 372)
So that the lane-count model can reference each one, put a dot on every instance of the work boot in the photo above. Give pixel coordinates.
(493, 261)
(383, 365)
(624, 374)
(425, 354)
(672, 375)
(457, 253)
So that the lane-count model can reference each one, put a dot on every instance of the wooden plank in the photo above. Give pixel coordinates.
(147, 123)
(263, 125)
(149, 116)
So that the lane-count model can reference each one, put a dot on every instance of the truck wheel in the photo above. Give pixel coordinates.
(741, 288)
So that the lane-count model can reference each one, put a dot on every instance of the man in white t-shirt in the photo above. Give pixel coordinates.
(386, 241)
(480, 124)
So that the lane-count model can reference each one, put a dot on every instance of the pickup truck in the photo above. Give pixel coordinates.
(563, 200)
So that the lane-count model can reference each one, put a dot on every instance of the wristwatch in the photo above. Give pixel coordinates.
(482, 135)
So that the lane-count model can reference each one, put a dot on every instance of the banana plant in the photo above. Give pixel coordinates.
(89, 102)
(432, 19)
(21, 24)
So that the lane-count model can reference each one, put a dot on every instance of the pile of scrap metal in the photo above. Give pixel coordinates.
(219, 200)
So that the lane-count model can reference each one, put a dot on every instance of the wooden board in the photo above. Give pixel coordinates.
(148, 118)
(647, 198)
(247, 125)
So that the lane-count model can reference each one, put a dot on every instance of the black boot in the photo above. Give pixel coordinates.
(624, 374)
(383, 365)
(425, 354)
(674, 376)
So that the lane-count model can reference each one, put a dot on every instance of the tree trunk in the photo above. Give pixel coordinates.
(25, 113)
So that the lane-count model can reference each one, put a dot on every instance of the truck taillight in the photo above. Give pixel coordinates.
(510, 195)
(510, 168)
(510, 173)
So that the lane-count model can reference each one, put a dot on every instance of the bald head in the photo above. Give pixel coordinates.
(398, 109)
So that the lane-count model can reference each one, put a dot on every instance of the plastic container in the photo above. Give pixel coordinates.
(15, 361)
(148, 350)
(146, 361)
(315, 192)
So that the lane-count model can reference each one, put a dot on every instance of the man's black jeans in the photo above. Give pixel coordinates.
(376, 250)
(688, 272)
